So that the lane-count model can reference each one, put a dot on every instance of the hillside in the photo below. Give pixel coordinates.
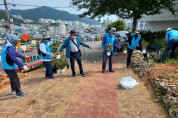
(3, 16)
(50, 13)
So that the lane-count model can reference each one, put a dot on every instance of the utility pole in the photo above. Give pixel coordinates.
(8, 16)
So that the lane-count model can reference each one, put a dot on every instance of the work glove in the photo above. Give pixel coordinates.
(25, 68)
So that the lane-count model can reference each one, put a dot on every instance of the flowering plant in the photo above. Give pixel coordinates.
(61, 64)
(152, 55)
(109, 47)
(67, 62)
(124, 45)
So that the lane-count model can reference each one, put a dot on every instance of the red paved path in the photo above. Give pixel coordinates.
(97, 96)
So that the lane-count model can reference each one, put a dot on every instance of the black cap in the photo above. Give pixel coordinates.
(73, 32)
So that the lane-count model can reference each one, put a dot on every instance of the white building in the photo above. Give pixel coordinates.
(58, 21)
(62, 29)
(75, 23)
(106, 22)
(128, 22)
(142, 25)
(162, 21)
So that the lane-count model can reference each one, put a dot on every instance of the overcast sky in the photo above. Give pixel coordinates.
(49, 3)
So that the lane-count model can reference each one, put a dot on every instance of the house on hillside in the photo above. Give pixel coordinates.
(161, 21)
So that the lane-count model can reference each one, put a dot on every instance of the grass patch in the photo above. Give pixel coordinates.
(172, 61)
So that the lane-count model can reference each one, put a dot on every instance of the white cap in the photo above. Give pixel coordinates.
(137, 32)
(168, 29)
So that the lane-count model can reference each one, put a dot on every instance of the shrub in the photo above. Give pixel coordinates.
(155, 38)
(119, 25)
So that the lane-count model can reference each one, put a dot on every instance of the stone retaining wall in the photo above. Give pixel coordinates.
(165, 85)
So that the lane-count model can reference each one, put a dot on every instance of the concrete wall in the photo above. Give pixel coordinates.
(161, 25)
(165, 15)
(161, 21)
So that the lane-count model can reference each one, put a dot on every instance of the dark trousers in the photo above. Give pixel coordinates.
(14, 80)
(172, 44)
(105, 59)
(73, 56)
(129, 51)
(48, 66)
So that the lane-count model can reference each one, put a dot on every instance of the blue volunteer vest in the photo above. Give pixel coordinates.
(173, 34)
(6, 62)
(110, 39)
(134, 41)
(48, 49)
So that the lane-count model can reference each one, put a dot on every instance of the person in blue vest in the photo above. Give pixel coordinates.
(72, 44)
(109, 38)
(9, 62)
(47, 55)
(135, 42)
(171, 43)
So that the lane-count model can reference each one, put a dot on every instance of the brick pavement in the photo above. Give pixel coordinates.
(96, 96)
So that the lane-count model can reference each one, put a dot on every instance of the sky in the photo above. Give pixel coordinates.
(49, 3)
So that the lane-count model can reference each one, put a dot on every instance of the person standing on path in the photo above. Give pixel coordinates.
(9, 62)
(171, 43)
(135, 42)
(72, 44)
(46, 55)
(109, 38)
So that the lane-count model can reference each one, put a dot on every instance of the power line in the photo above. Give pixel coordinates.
(38, 6)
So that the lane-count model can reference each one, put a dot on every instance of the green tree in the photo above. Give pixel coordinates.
(123, 8)
(119, 25)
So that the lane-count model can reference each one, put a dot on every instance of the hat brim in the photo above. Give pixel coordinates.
(47, 38)
(76, 34)
(111, 31)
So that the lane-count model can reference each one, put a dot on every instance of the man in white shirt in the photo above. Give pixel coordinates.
(72, 44)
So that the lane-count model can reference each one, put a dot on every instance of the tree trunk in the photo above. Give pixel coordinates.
(134, 24)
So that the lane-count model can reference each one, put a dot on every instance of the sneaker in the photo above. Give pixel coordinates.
(103, 71)
(51, 78)
(21, 95)
(13, 92)
(83, 75)
(73, 76)
(46, 76)
(111, 71)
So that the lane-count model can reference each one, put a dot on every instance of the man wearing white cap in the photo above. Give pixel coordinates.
(135, 42)
(171, 43)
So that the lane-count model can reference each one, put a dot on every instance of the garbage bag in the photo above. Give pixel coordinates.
(128, 82)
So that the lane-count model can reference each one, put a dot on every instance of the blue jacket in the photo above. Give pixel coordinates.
(172, 34)
(7, 62)
(109, 39)
(48, 49)
(66, 45)
(134, 41)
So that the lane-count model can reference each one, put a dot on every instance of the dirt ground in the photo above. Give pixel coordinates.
(160, 69)
(98, 95)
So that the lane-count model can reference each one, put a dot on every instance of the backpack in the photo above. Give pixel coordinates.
(39, 51)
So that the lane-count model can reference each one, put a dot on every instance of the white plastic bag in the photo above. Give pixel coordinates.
(108, 53)
(128, 82)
